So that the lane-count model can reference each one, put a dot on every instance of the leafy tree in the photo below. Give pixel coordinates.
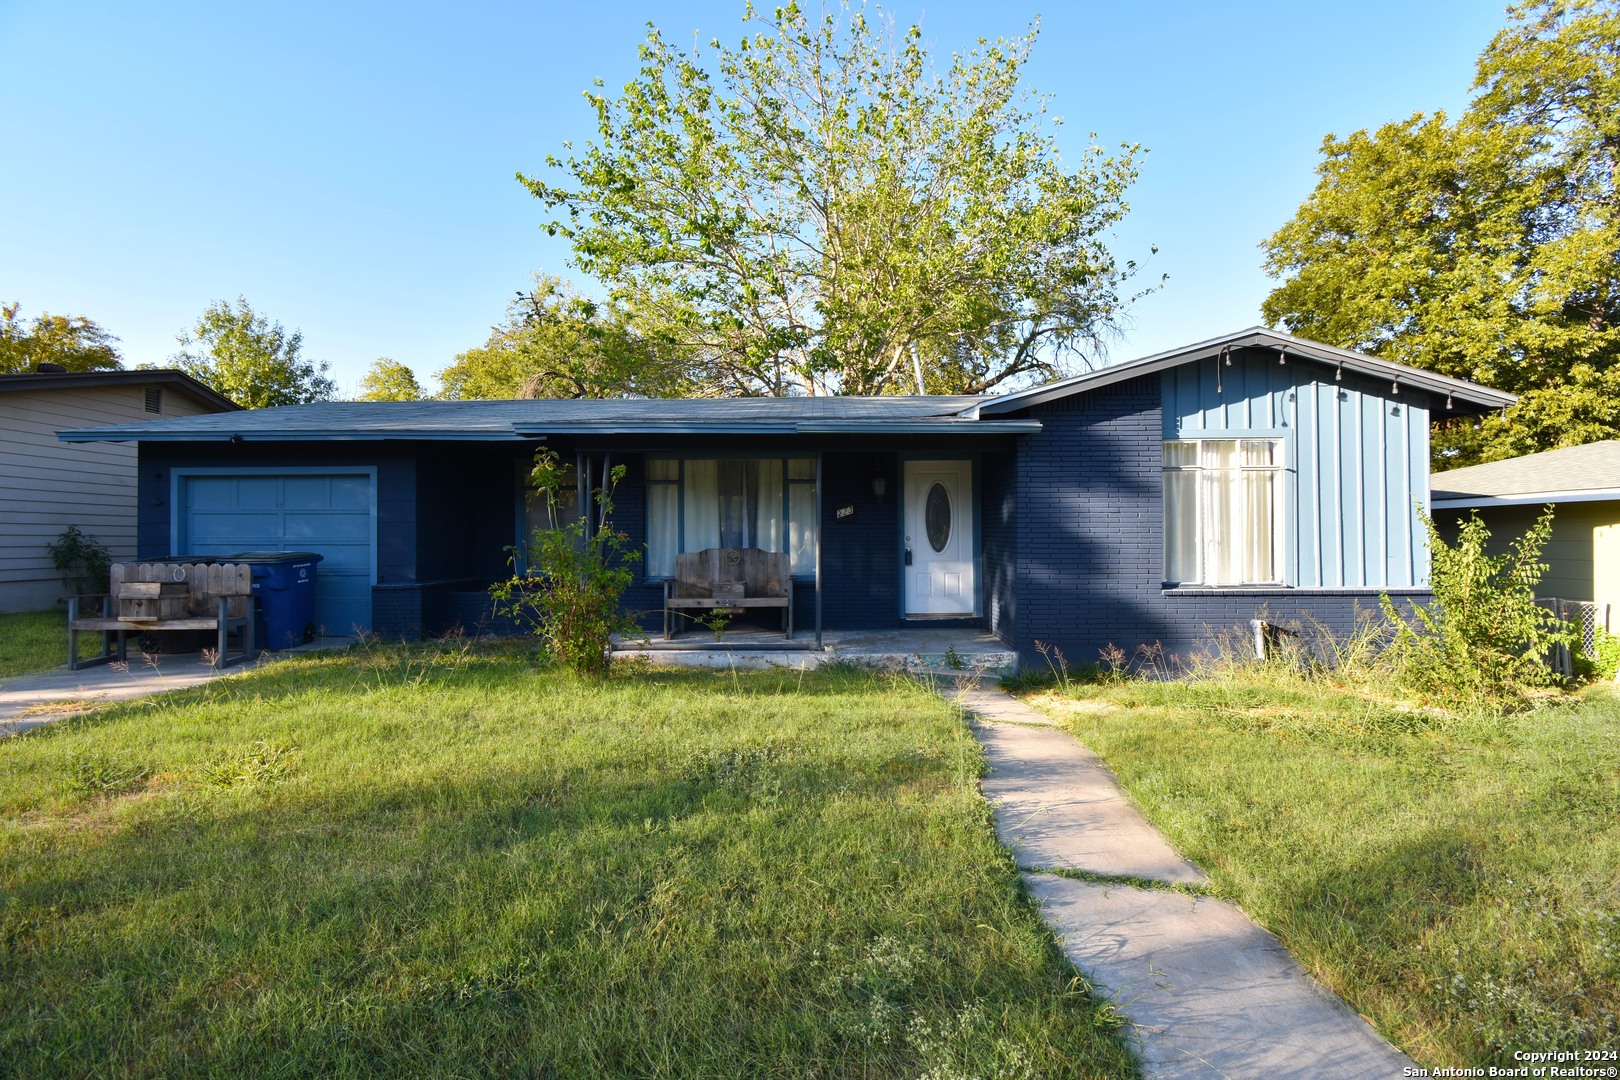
(556, 343)
(835, 214)
(251, 360)
(1487, 247)
(389, 380)
(72, 341)
(581, 568)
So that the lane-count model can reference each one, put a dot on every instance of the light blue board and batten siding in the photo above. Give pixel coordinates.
(1357, 459)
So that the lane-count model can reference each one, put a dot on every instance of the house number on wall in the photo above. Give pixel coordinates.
(844, 513)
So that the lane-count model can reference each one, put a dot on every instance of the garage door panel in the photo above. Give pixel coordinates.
(235, 532)
(341, 529)
(351, 492)
(307, 492)
(210, 492)
(258, 493)
(327, 514)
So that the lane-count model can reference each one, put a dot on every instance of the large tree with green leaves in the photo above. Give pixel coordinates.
(72, 341)
(1486, 247)
(249, 359)
(389, 380)
(557, 343)
(818, 210)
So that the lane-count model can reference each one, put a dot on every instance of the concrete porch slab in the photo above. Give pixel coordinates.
(924, 650)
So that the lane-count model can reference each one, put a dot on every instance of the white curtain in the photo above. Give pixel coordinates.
(1257, 539)
(1220, 512)
(1181, 512)
(729, 502)
(702, 495)
(663, 516)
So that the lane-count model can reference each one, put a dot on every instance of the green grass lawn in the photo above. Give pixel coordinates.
(33, 641)
(439, 861)
(1457, 880)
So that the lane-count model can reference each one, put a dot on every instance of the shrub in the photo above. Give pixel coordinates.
(83, 561)
(1603, 662)
(1483, 637)
(578, 573)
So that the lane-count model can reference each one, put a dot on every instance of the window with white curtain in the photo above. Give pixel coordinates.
(1223, 519)
(696, 503)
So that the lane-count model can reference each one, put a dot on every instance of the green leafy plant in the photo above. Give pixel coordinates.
(83, 561)
(1603, 661)
(716, 621)
(578, 572)
(1483, 637)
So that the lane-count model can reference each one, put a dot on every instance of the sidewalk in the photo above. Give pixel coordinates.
(30, 701)
(1207, 991)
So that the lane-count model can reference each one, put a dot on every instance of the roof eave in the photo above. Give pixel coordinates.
(1533, 498)
(1479, 398)
(88, 435)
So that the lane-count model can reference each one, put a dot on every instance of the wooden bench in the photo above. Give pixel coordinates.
(732, 580)
(153, 597)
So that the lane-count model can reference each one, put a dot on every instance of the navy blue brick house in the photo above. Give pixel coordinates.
(1155, 501)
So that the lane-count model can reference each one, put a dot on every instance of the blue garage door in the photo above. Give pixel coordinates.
(322, 512)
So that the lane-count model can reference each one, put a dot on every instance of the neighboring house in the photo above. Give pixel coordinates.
(46, 485)
(1581, 482)
(1146, 502)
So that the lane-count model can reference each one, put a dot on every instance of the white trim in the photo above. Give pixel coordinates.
(1534, 499)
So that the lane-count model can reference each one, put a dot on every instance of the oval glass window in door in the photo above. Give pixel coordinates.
(937, 517)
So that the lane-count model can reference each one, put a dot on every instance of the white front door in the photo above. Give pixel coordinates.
(939, 538)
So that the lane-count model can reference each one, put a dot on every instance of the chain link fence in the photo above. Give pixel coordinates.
(1585, 617)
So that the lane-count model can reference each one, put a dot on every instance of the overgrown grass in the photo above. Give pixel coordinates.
(437, 861)
(33, 641)
(1455, 877)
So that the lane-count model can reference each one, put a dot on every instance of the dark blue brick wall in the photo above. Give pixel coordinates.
(1089, 541)
(998, 502)
(860, 561)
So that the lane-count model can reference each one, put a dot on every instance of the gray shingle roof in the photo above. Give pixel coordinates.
(1583, 471)
(542, 417)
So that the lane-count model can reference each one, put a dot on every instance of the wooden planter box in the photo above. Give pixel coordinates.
(153, 601)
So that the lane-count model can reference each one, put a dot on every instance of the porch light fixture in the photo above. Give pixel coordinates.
(880, 484)
(1282, 356)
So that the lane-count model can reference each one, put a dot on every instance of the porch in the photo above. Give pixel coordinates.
(922, 650)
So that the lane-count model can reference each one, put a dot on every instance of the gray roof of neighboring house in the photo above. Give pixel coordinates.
(1570, 474)
(74, 380)
(539, 418)
(542, 418)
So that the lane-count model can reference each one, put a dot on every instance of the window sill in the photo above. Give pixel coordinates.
(1287, 590)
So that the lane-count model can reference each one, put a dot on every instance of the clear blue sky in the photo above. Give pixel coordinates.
(349, 167)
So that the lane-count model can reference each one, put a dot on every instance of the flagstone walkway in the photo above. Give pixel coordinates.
(1207, 991)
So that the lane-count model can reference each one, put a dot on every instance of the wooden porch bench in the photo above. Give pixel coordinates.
(733, 580)
(153, 597)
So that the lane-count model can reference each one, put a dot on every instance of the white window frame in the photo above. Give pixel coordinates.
(1204, 515)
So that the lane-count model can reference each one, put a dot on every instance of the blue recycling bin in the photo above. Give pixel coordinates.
(283, 596)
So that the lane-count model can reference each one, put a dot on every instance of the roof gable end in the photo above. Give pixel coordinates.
(1471, 396)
